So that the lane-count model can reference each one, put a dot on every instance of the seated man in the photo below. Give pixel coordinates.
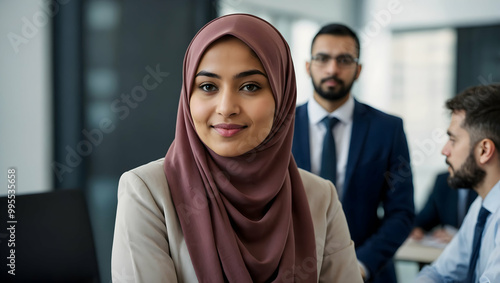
(443, 212)
(472, 153)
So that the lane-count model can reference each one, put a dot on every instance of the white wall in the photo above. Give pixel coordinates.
(25, 100)
(441, 13)
(319, 10)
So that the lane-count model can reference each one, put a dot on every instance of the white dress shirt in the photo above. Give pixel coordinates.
(453, 264)
(341, 132)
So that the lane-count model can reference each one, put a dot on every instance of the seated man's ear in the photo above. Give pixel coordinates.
(487, 151)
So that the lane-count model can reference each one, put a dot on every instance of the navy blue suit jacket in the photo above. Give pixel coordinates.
(377, 173)
(441, 207)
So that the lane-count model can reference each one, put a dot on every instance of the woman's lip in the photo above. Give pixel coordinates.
(228, 130)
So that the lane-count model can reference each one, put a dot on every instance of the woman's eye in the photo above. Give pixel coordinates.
(250, 87)
(208, 87)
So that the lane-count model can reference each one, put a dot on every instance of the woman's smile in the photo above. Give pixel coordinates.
(228, 130)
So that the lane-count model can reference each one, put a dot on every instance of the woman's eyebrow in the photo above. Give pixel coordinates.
(207, 74)
(237, 76)
(249, 73)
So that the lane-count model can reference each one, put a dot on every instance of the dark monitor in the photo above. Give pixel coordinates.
(52, 236)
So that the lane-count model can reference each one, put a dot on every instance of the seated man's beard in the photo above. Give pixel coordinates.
(468, 176)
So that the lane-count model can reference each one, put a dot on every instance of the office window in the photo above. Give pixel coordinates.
(423, 78)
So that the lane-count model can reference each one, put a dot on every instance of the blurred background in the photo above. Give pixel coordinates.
(89, 89)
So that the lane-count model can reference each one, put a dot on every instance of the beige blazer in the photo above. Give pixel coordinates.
(149, 245)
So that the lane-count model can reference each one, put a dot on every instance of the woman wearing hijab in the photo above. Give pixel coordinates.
(228, 203)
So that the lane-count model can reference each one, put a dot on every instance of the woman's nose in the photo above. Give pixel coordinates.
(227, 104)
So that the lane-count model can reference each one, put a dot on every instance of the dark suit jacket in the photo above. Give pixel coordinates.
(441, 207)
(377, 173)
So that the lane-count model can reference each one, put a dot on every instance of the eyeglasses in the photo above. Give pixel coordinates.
(343, 60)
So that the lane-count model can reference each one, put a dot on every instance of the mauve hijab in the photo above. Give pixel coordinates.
(245, 218)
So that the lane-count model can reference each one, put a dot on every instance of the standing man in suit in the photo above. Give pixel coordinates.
(366, 156)
(445, 208)
(472, 153)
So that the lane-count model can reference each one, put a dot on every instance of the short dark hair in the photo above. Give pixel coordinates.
(482, 112)
(338, 30)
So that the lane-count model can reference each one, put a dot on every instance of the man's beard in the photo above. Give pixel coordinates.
(468, 176)
(331, 94)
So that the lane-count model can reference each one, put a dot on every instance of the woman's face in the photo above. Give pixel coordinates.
(231, 104)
